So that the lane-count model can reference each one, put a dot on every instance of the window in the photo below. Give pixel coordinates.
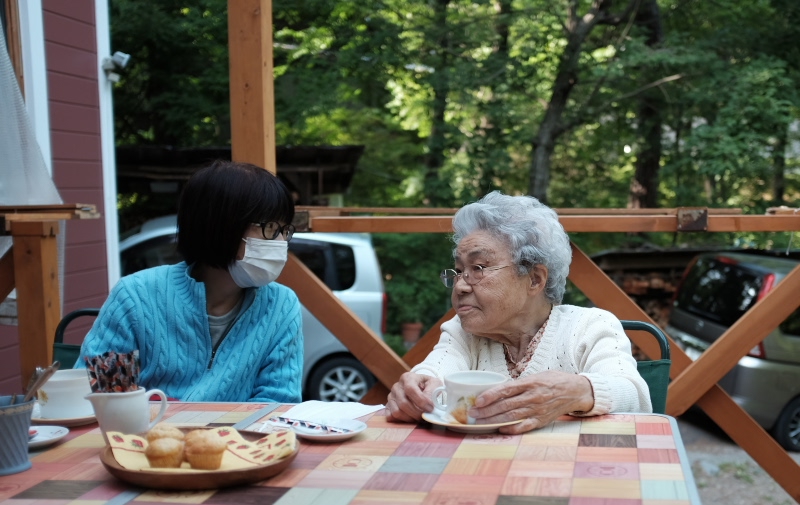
(334, 264)
(719, 291)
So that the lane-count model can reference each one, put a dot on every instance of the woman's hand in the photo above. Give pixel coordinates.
(537, 399)
(411, 396)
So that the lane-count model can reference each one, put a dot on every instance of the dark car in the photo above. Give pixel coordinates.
(716, 290)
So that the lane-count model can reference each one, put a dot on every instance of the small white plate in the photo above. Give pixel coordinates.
(46, 435)
(67, 421)
(353, 425)
(435, 418)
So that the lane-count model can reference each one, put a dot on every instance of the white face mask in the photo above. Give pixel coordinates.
(262, 263)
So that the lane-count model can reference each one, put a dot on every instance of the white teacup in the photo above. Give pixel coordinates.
(460, 390)
(127, 413)
(63, 395)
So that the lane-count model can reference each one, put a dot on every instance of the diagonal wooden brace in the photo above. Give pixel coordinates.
(365, 345)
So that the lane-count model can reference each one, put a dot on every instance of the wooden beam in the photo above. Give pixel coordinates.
(728, 349)
(365, 345)
(251, 82)
(38, 294)
(433, 211)
(571, 223)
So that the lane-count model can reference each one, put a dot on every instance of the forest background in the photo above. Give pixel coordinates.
(630, 103)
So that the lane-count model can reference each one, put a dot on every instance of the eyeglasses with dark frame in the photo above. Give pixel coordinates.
(270, 230)
(473, 274)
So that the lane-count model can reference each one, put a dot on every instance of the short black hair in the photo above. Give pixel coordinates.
(217, 205)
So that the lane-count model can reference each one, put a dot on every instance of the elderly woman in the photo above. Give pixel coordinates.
(512, 257)
(215, 327)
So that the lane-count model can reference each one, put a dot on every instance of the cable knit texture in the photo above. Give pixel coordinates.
(161, 312)
(586, 341)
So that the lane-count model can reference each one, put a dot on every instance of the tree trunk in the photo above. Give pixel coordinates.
(490, 145)
(434, 159)
(578, 28)
(550, 128)
(779, 167)
(644, 187)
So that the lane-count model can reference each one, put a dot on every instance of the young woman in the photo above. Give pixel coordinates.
(214, 327)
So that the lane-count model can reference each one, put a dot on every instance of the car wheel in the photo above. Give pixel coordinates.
(787, 428)
(341, 379)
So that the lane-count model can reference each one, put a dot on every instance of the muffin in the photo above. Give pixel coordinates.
(163, 430)
(164, 453)
(204, 449)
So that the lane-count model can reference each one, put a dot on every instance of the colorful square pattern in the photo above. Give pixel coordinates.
(619, 459)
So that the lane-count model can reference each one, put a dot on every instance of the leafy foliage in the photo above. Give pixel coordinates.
(448, 98)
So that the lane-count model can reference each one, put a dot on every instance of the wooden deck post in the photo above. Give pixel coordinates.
(251, 82)
(38, 294)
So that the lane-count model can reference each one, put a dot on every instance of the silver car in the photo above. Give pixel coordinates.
(716, 290)
(345, 262)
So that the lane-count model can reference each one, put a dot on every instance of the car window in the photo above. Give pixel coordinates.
(319, 256)
(718, 291)
(150, 253)
(345, 262)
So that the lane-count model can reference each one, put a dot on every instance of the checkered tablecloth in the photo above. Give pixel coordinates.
(620, 459)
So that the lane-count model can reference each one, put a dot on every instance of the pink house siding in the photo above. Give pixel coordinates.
(72, 73)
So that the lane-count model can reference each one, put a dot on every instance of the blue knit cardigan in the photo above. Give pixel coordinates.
(161, 312)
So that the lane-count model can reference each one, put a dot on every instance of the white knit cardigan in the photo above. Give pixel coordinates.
(585, 341)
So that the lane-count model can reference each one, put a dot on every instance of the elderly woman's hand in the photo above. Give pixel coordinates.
(411, 396)
(537, 399)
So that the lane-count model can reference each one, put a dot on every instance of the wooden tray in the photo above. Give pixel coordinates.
(197, 480)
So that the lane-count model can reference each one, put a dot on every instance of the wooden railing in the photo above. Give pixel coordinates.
(692, 382)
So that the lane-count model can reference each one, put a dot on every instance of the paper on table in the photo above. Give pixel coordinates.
(315, 410)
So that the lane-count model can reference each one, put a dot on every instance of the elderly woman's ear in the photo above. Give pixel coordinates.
(538, 275)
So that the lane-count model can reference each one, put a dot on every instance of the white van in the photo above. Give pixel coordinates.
(345, 262)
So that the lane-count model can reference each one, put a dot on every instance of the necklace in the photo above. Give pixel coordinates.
(516, 367)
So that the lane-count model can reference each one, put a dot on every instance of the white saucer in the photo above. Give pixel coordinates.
(434, 418)
(353, 425)
(67, 421)
(46, 435)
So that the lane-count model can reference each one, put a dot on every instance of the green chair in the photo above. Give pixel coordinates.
(654, 372)
(68, 354)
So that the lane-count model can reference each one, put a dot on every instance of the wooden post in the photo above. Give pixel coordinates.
(251, 82)
(38, 295)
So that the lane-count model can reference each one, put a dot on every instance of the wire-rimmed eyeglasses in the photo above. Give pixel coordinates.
(472, 274)
(270, 230)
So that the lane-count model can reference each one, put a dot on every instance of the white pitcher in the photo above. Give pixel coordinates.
(128, 413)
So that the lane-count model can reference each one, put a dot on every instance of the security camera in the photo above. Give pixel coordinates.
(121, 59)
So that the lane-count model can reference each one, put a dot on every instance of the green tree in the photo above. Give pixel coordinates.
(175, 90)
